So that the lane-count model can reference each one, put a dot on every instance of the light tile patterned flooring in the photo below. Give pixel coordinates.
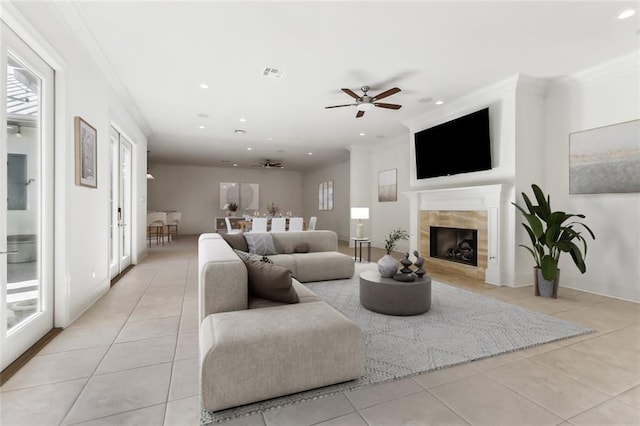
(133, 359)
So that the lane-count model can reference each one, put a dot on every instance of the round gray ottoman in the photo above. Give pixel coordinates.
(391, 297)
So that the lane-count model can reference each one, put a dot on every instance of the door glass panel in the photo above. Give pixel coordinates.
(113, 205)
(125, 192)
(23, 290)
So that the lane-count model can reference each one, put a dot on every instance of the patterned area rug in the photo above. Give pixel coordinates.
(461, 326)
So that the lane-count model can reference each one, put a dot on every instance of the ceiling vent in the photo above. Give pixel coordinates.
(270, 72)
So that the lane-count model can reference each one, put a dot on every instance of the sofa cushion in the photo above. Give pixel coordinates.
(322, 266)
(304, 294)
(269, 281)
(249, 256)
(236, 241)
(260, 243)
(301, 248)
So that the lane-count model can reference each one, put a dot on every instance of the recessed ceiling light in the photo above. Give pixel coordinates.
(363, 134)
(204, 86)
(249, 148)
(235, 164)
(439, 102)
(269, 139)
(240, 131)
(243, 119)
(201, 127)
(627, 14)
(309, 153)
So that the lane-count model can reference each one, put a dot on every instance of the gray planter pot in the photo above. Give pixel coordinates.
(545, 288)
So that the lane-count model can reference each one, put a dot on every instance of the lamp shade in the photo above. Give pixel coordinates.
(359, 212)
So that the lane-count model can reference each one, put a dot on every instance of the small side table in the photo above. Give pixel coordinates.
(358, 242)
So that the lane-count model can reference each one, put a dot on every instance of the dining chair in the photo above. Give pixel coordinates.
(278, 224)
(312, 223)
(230, 229)
(259, 224)
(156, 222)
(173, 220)
(296, 224)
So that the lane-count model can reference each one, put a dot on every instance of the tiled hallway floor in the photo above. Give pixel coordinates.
(132, 359)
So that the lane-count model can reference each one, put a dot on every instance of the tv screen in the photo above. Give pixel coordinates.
(458, 146)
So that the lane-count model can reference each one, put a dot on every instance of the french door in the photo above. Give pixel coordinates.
(120, 203)
(26, 197)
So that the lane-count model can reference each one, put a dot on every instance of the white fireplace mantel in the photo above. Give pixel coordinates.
(471, 198)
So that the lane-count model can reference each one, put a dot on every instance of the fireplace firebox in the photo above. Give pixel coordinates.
(454, 244)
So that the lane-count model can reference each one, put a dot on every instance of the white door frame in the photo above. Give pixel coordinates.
(16, 341)
(121, 204)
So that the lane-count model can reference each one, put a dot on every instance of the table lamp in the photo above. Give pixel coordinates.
(360, 213)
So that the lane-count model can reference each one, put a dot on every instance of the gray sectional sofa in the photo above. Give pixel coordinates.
(253, 349)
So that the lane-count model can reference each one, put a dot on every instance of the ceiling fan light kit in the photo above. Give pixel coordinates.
(366, 103)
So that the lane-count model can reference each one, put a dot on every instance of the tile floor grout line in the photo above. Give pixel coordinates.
(175, 349)
(535, 402)
(84, 387)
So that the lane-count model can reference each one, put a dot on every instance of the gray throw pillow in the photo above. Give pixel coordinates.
(271, 282)
(248, 256)
(236, 241)
(260, 243)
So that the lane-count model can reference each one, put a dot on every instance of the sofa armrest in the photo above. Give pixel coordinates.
(222, 277)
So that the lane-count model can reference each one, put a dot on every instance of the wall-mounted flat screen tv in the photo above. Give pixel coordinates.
(461, 145)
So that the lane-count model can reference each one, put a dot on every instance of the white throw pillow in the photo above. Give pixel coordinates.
(260, 243)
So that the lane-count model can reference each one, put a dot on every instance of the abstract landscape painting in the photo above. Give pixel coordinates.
(605, 159)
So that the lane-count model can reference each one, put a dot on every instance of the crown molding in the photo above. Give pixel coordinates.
(77, 25)
(603, 71)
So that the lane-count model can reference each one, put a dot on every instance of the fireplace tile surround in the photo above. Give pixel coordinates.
(478, 208)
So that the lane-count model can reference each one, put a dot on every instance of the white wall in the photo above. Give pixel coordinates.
(336, 220)
(389, 215)
(81, 213)
(195, 191)
(601, 96)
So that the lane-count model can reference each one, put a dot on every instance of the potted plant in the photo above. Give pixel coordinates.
(551, 235)
(387, 265)
(231, 208)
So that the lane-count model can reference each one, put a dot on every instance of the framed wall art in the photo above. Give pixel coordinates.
(605, 159)
(245, 195)
(388, 185)
(325, 195)
(86, 154)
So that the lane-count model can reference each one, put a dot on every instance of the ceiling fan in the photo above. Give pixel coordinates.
(268, 164)
(365, 102)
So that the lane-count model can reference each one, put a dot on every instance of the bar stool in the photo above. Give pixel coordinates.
(173, 220)
(156, 222)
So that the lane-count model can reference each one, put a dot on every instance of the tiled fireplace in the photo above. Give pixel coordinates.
(465, 223)
(469, 218)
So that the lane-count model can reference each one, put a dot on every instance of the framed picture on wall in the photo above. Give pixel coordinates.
(388, 185)
(605, 159)
(325, 195)
(86, 154)
(245, 195)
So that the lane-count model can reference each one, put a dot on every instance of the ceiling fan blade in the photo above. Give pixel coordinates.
(386, 93)
(389, 106)
(351, 93)
(359, 114)
(338, 106)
